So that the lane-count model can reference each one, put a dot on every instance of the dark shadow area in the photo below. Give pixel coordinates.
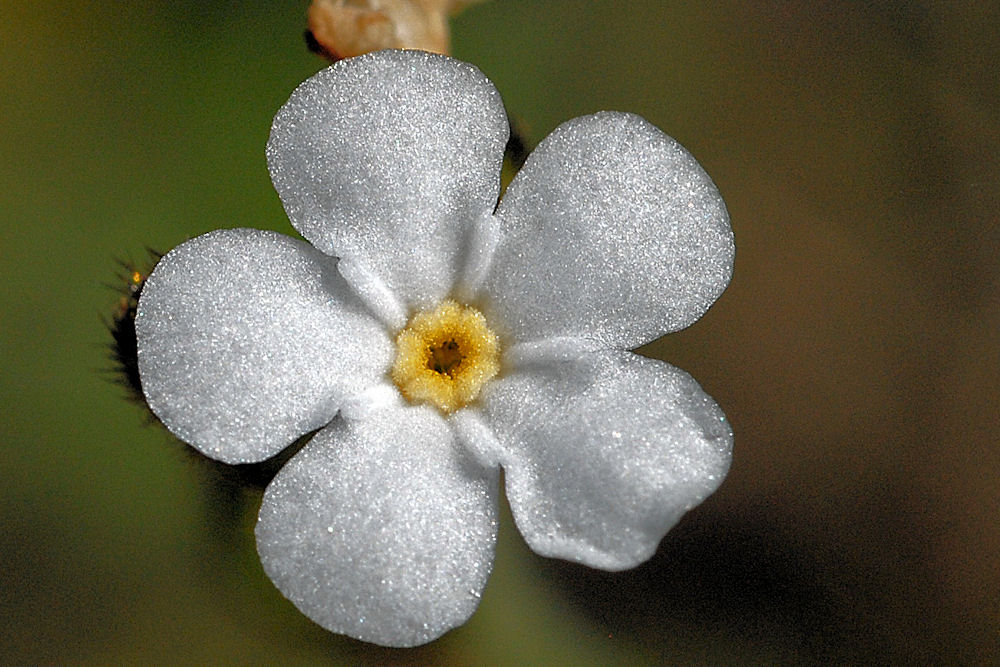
(746, 579)
(52, 588)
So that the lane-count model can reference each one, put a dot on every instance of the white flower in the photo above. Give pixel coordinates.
(383, 526)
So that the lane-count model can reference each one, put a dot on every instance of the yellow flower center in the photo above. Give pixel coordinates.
(445, 356)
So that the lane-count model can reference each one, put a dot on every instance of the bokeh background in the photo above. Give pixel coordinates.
(857, 351)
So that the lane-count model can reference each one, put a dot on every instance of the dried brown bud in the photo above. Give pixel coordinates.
(345, 28)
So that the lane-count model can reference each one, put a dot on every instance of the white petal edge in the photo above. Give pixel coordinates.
(387, 158)
(381, 529)
(248, 339)
(610, 231)
(598, 470)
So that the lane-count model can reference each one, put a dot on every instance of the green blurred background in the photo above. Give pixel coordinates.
(857, 351)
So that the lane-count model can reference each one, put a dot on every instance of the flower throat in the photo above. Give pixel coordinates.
(445, 356)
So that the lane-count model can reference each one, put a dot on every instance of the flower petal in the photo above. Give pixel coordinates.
(603, 456)
(381, 529)
(249, 339)
(386, 158)
(611, 231)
